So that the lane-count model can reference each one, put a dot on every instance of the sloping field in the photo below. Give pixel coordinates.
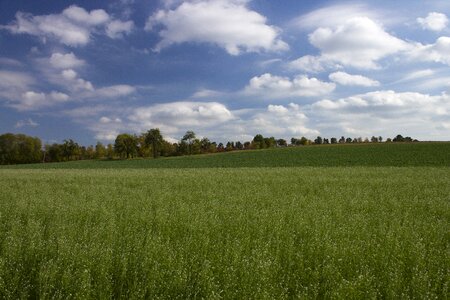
(385, 154)
(359, 231)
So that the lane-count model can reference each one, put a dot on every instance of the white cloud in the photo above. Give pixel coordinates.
(74, 83)
(270, 86)
(65, 61)
(358, 42)
(106, 120)
(438, 52)
(116, 29)
(31, 100)
(80, 15)
(388, 102)
(73, 27)
(385, 113)
(175, 117)
(312, 64)
(279, 121)
(10, 80)
(346, 79)
(434, 21)
(13, 84)
(26, 123)
(226, 23)
(334, 15)
(418, 74)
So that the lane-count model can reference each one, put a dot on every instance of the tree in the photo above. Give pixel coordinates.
(19, 149)
(399, 138)
(334, 140)
(281, 143)
(69, 149)
(100, 151)
(348, 140)
(374, 139)
(154, 139)
(189, 137)
(341, 140)
(258, 142)
(318, 140)
(380, 139)
(126, 145)
(270, 142)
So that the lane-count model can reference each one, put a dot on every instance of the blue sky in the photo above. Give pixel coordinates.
(227, 69)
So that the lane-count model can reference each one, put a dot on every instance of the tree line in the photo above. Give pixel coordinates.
(22, 149)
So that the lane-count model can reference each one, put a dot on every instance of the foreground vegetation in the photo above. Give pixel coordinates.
(253, 233)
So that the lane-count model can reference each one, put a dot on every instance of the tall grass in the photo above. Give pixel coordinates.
(251, 233)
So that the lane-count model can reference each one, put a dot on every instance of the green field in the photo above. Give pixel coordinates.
(390, 155)
(349, 222)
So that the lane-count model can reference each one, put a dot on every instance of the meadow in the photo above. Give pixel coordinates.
(373, 223)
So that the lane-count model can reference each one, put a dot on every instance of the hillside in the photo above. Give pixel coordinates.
(393, 154)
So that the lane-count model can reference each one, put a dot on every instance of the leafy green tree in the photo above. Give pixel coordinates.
(69, 149)
(100, 151)
(20, 149)
(334, 140)
(318, 140)
(281, 143)
(126, 145)
(154, 139)
(189, 137)
(258, 142)
(109, 151)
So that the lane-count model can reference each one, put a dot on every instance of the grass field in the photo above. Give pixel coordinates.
(385, 154)
(352, 229)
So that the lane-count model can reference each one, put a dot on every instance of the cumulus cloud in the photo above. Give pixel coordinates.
(65, 61)
(175, 116)
(434, 21)
(73, 27)
(344, 78)
(389, 102)
(32, 100)
(282, 121)
(271, 86)
(117, 29)
(74, 83)
(385, 113)
(359, 42)
(229, 24)
(438, 52)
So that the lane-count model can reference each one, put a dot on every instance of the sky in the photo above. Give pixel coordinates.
(226, 69)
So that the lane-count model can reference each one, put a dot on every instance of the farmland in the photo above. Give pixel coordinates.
(351, 221)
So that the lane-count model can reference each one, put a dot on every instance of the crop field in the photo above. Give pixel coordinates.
(357, 222)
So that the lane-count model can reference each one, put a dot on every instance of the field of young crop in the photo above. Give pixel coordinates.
(229, 233)
(382, 154)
